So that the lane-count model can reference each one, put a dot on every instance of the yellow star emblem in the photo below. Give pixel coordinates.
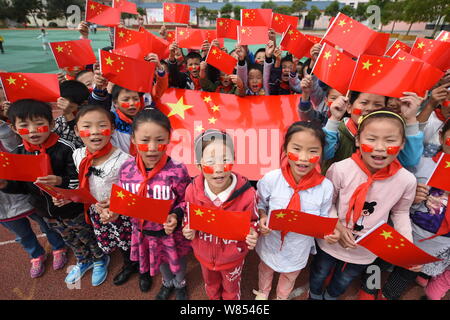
(445, 37)
(214, 51)
(401, 58)
(59, 48)
(199, 128)
(327, 55)
(215, 108)
(212, 120)
(367, 65)
(178, 108)
(276, 18)
(421, 45)
(207, 99)
(220, 23)
(199, 212)
(181, 32)
(280, 215)
(247, 14)
(92, 6)
(243, 30)
(121, 34)
(109, 61)
(291, 32)
(447, 164)
(120, 195)
(342, 23)
(11, 80)
(386, 235)
(397, 45)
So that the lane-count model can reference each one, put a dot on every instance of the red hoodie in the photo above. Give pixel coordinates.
(213, 252)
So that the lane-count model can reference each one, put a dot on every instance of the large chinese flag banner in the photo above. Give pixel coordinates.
(257, 125)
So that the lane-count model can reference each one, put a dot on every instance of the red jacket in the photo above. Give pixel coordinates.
(213, 252)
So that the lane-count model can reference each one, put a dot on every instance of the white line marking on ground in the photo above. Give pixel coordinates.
(14, 241)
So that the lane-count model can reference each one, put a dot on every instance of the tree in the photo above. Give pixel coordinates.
(142, 11)
(361, 12)
(313, 14)
(212, 15)
(56, 9)
(5, 13)
(202, 12)
(298, 5)
(226, 10)
(237, 12)
(348, 10)
(415, 11)
(21, 9)
(437, 10)
(269, 5)
(332, 9)
(283, 10)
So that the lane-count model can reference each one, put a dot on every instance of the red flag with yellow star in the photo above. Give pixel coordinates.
(230, 225)
(280, 22)
(22, 167)
(132, 74)
(385, 242)
(131, 43)
(227, 28)
(256, 17)
(100, 14)
(221, 60)
(396, 46)
(296, 42)
(252, 35)
(443, 36)
(355, 38)
(176, 12)
(440, 177)
(125, 6)
(301, 222)
(75, 195)
(385, 76)
(73, 53)
(157, 45)
(334, 68)
(170, 37)
(313, 39)
(38, 86)
(255, 125)
(132, 205)
(435, 52)
(190, 38)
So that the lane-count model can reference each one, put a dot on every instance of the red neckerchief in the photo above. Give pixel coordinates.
(312, 179)
(351, 126)
(439, 114)
(148, 175)
(285, 86)
(42, 148)
(83, 170)
(358, 198)
(196, 82)
(445, 225)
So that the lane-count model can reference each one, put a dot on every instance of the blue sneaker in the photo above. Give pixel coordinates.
(100, 271)
(78, 271)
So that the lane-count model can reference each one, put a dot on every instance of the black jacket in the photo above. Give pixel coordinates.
(62, 166)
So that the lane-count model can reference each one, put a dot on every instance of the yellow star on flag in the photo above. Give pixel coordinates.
(421, 45)
(120, 195)
(121, 34)
(243, 30)
(386, 235)
(220, 23)
(178, 108)
(92, 6)
(207, 99)
(445, 37)
(199, 128)
(181, 32)
(247, 14)
(342, 23)
(215, 108)
(212, 120)
(276, 18)
(199, 212)
(367, 65)
(109, 61)
(280, 215)
(447, 164)
(59, 48)
(11, 80)
(327, 55)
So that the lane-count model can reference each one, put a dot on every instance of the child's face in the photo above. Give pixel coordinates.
(305, 146)
(366, 103)
(87, 79)
(260, 57)
(128, 102)
(95, 129)
(193, 66)
(286, 68)
(379, 135)
(333, 94)
(394, 105)
(225, 79)
(39, 129)
(445, 142)
(154, 138)
(255, 80)
(215, 156)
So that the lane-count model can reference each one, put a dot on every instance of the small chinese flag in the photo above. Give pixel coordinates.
(190, 38)
(230, 225)
(176, 12)
(313, 39)
(132, 205)
(301, 222)
(334, 68)
(221, 60)
(227, 28)
(441, 175)
(396, 46)
(170, 37)
(296, 42)
(435, 52)
(100, 14)
(133, 74)
(429, 75)
(391, 246)
(443, 36)
(38, 86)
(256, 17)
(385, 76)
(210, 35)
(20, 167)
(76, 195)
(131, 43)
(125, 6)
(157, 45)
(253, 35)
(73, 53)
(280, 22)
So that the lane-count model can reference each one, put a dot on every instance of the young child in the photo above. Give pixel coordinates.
(98, 165)
(297, 185)
(231, 84)
(154, 174)
(33, 120)
(86, 77)
(15, 212)
(221, 260)
(371, 175)
(74, 94)
(184, 80)
(283, 76)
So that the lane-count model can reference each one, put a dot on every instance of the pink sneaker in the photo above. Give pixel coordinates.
(59, 258)
(37, 266)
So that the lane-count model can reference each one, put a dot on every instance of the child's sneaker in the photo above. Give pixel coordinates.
(260, 295)
(181, 293)
(59, 258)
(363, 295)
(37, 266)
(100, 271)
(164, 293)
(78, 271)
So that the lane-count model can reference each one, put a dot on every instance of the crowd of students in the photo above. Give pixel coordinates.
(375, 149)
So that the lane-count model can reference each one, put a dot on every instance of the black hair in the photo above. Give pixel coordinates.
(193, 55)
(151, 115)
(75, 91)
(209, 136)
(445, 128)
(255, 66)
(91, 108)
(384, 113)
(299, 126)
(287, 57)
(260, 50)
(115, 92)
(29, 109)
(82, 72)
(354, 95)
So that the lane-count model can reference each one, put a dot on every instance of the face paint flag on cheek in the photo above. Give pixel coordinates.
(357, 111)
(314, 159)
(293, 156)
(84, 133)
(145, 147)
(208, 169)
(367, 148)
(393, 150)
(23, 131)
(447, 141)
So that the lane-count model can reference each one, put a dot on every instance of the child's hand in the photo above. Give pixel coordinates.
(409, 106)
(251, 239)
(333, 238)
(263, 226)
(236, 80)
(107, 216)
(346, 240)
(83, 29)
(277, 53)
(163, 31)
(153, 57)
(60, 202)
(272, 35)
(439, 95)
(241, 53)
(270, 48)
(64, 105)
(422, 191)
(100, 82)
(4, 107)
(188, 233)
(203, 65)
(205, 47)
(50, 180)
(306, 85)
(416, 268)
(338, 108)
(3, 183)
(215, 43)
(173, 47)
(315, 50)
(61, 77)
(171, 223)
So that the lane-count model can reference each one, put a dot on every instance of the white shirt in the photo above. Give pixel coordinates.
(224, 195)
(275, 193)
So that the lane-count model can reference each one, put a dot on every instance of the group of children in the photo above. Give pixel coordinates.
(364, 158)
